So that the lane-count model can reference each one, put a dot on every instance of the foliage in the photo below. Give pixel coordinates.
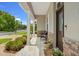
(25, 36)
(4, 40)
(57, 52)
(23, 39)
(17, 44)
(31, 28)
(8, 22)
(14, 45)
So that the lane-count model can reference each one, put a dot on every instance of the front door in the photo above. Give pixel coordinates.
(60, 28)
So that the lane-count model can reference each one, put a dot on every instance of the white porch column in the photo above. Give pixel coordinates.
(28, 29)
(33, 27)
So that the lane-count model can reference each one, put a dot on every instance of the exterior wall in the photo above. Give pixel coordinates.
(40, 22)
(51, 24)
(71, 32)
(46, 24)
(70, 47)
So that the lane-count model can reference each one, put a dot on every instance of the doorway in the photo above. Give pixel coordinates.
(60, 27)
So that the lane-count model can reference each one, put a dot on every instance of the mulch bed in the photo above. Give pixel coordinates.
(48, 52)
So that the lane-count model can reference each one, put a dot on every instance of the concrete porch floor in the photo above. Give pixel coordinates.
(33, 50)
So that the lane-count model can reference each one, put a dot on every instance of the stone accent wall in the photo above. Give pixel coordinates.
(40, 22)
(52, 39)
(50, 36)
(70, 47)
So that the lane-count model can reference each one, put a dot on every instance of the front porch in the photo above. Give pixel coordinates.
(40, 36)
(54, 30)
(58, 20)
(44, 16)
(34, 49)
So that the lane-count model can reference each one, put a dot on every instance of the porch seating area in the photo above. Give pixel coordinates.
(42, 35)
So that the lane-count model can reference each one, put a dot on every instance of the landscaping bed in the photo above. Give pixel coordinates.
(9, 46)
(48, 48)
(57, 52)
(50, 51)
(16, 45)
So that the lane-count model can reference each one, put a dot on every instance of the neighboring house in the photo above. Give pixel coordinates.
(60, 20)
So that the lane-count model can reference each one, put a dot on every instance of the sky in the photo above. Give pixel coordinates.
(15, 10)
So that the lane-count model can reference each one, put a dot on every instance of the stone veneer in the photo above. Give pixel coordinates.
(50, 36)
(70, 47)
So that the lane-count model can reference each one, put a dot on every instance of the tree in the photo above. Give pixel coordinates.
(31, 28)
(19, 25)
(8, 22)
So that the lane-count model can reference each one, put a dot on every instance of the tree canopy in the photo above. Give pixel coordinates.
(8, 22)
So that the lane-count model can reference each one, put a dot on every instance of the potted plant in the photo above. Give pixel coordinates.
(57, 52)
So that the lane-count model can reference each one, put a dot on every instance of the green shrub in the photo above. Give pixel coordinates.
(14, 45)
(57, 52)
(25, 36)
(17, 44)
(23, 39)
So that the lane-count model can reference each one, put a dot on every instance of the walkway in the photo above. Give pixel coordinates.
(33, 50)
(29, 51)
(40, 45)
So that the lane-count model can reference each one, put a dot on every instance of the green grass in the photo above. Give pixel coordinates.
(21, 33)
(4, 40)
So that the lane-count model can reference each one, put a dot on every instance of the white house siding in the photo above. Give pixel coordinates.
(51, 24)
(40, 22)
(71, 33)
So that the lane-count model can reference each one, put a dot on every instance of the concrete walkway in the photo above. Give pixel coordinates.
(34, 50)
(29, 51)
(40, 45)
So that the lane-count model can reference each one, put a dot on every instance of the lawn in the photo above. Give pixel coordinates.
(4, 40)
(21, 33)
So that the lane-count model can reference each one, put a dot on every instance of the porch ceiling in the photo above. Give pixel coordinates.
(40, 8)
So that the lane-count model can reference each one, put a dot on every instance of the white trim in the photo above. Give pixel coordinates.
(26, 8)
(28, 29)
(33, 27)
